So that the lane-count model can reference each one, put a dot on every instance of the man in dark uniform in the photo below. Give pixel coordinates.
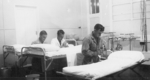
(93, 45)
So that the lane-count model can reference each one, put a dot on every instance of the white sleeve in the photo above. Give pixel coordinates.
(53, 41)
(65, 43)
(34, 42)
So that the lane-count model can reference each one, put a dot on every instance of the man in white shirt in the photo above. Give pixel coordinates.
(59, 41)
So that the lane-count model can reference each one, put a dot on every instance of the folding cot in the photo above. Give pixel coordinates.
(117, 63)
(49, 56)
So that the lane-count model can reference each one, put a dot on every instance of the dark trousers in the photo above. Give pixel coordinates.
(90, 59)
(36, 64)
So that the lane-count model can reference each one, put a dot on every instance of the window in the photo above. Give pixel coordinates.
(94, 6)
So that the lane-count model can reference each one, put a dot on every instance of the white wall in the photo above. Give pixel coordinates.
(60, 14)
(7, 23)
(68, 15)
(84, 16)
(103, 17)
(105, 14)
(52, 15)
(126, 16)
(7, 27)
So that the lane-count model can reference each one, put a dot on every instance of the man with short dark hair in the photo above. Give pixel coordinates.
(59, 41)
(36, 62)
(41, 39)
(93, 45)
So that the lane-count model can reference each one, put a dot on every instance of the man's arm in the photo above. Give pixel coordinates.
(34, 42)
(65, 44)
(85, 48)
(104, 46)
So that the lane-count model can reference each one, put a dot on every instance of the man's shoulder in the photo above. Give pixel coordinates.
(87, 38)
(36, 42)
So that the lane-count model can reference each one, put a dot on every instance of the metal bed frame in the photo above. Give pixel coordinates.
(131, 38)
(71, 41)
(8, 50)
(112, 38)
(118, 74)
(26, 51)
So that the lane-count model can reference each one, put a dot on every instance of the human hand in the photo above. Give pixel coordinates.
(105, 54)
(65, 44)
(96, 53)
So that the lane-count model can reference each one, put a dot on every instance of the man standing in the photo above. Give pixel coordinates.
(93, 45)
(59, 41)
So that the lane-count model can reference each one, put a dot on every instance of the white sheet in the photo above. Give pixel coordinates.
(113, 64)
(134, 55)
(71, 53)
(46, 47)
(18, 47)
(52, 50)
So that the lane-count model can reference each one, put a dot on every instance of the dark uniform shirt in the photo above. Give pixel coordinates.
(91, 48)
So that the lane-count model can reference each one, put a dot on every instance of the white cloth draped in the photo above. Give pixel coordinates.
(116, 61)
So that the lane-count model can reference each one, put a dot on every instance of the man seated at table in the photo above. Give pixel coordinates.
(94, 46)
(36, 62)
(41, 39)
(59, 40)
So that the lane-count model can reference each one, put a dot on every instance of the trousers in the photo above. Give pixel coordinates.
(90, 59)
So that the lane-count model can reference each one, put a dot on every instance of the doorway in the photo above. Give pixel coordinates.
(26, 24)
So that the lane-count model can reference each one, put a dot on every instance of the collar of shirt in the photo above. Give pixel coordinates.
(62, 41)
(39, 42)
(94, 39)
